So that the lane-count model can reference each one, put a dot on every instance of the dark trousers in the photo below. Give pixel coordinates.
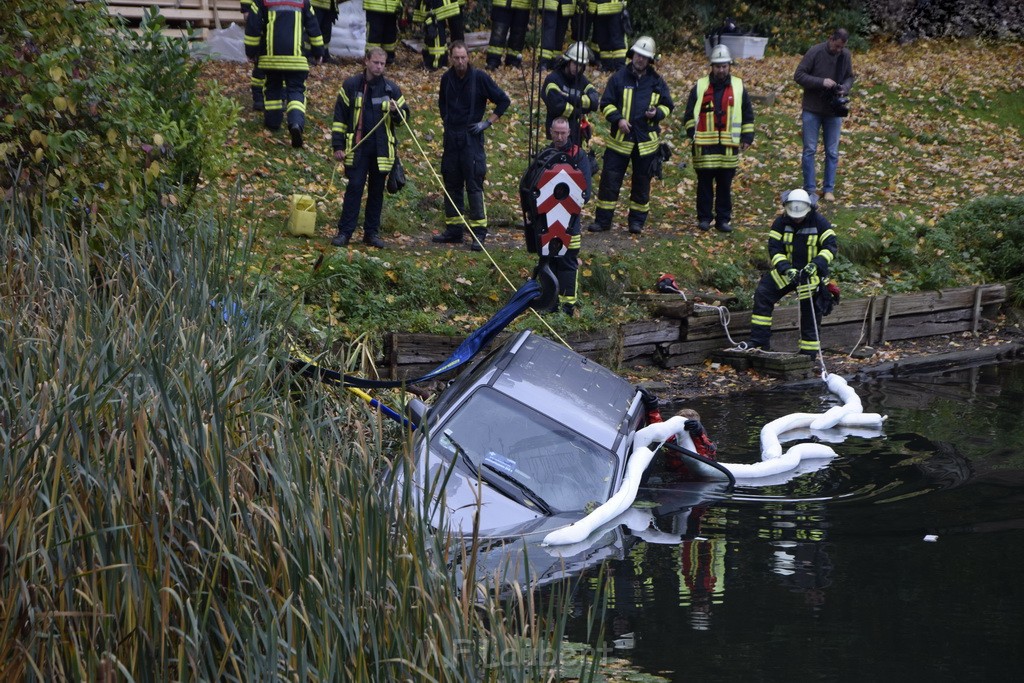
(325, 19)
(714, 194)
(364, 168)
(285, 94)
(382, 32)
(463, 169)
(552, 36)
(612, 177)
(508, 36)
(257, 82)
(435, 39)
(610, 39)
(766, 296)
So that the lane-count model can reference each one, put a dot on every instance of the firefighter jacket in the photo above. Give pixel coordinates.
(381, 6)
(274, 33)
(566, 8)
(463, 101)
(436, 9)
(794, 245)
(568, 96)
(604, 7)
(627, 96)
(719, 118)
(360, 105)
(332, 5)
(513, 4)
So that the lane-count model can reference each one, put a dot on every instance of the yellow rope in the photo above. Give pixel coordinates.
(487, 253)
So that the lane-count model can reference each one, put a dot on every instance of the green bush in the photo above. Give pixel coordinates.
(100, 116)
(991, 230)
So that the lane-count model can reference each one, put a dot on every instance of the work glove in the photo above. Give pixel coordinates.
(478, 128)
(694, 428)
(791, 274)
(811, 269)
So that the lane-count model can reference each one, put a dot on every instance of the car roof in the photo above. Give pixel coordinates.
(570, 388)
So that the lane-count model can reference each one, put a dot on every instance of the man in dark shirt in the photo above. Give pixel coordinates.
(462, 100)
(825, 73)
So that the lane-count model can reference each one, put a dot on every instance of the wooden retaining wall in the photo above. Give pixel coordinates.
(684, 335)
(198, 13)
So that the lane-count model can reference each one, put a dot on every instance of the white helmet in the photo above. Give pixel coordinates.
(797, 203)
(578, 52)
(644, 46)
(721, 55)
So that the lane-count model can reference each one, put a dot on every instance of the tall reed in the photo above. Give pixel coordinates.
(174, 505)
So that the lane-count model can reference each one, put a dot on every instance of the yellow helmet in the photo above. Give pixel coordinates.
(644, 46)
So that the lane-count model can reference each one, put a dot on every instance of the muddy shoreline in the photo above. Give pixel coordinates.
(1003, 340)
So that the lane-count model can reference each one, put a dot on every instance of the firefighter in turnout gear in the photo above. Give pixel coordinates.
(508, 32)
(326, 12)
(274, 33)
(555, 18)
(720, 122)
(435, 15)
(635, 101)
(568, 93)
(368, 149)
(801, 246)
(552, 193)
(258, 78)
(382, 25)
(606, 21)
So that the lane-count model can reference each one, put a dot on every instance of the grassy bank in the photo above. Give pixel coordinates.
(931, 131)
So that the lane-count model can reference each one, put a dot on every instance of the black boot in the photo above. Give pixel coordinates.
(449, 236)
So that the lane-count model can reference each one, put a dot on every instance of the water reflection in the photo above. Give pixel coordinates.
(841, 557)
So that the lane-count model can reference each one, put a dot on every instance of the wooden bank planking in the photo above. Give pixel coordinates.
(198, 13)
(688, 335)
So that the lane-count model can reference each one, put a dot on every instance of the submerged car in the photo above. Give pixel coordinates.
(531, 438)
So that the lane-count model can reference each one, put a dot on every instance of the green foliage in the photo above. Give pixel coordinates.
(678, 25)
(992, 230)
(104, 115)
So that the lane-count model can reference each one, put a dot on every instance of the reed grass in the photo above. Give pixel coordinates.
(174, 505)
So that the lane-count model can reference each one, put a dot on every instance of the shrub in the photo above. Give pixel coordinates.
(991, 230)
(104, 116)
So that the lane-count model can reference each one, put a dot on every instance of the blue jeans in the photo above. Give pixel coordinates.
(830, 127)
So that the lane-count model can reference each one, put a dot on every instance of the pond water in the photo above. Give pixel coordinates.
(903, 559)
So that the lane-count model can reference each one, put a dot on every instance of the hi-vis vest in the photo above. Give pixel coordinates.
(705, 133)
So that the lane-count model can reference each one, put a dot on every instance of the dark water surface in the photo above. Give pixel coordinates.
(903, 559)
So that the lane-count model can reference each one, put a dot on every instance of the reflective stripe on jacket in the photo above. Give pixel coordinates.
(793, 245)
(628, 96)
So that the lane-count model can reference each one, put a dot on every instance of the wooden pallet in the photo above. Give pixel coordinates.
(200, 13)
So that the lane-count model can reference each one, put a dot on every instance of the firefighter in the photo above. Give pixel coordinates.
(382, 25)
(435, 15)
(258, 77)
(567, 92)
(801, 247)
(462, 100)
(363, 100)
(607, 22)
(326, 12)
(720, 122)
(635, 101)
(555, 17)
(281, 56)
(508, 32)
(557, 243)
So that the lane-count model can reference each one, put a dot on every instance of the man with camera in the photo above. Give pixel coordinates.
(826, 75)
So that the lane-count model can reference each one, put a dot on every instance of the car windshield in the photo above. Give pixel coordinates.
(505, 440)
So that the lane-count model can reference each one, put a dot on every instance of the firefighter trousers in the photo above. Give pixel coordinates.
(362, 173)
(612, 177)
(463, 169)
(767, 295)
(285, 94)
(382, 32)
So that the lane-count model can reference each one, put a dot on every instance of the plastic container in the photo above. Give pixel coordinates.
(302, 220)
(740, 47)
